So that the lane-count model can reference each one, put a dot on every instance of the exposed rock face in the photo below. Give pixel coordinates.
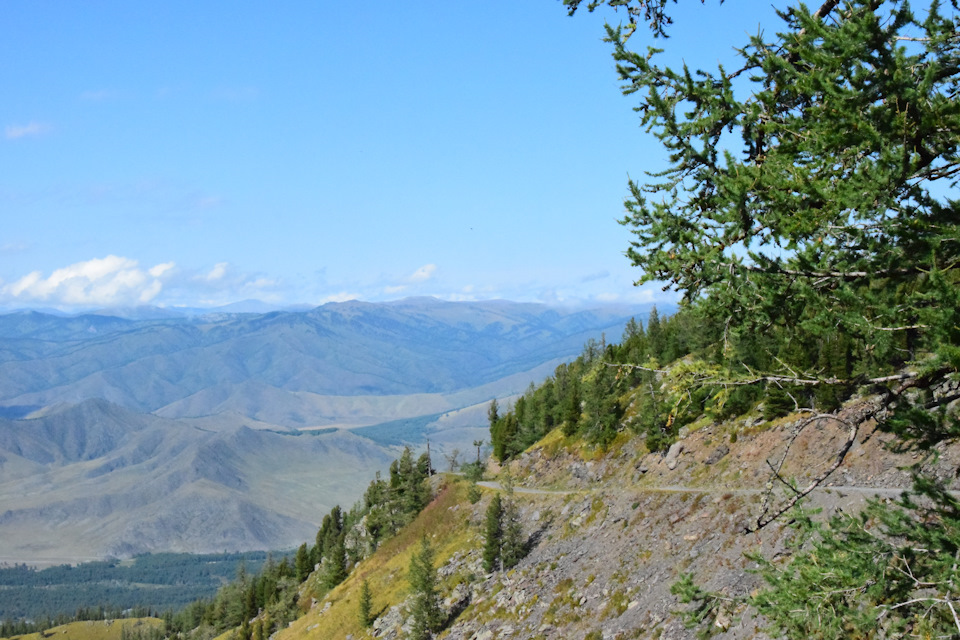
(717, 454)
(673, 455)
(608, 537)
(605, 553)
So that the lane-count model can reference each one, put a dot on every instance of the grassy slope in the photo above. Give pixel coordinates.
(386, 570)
(94, 630)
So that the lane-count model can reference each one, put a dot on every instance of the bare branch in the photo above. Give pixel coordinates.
(906, 328)
(823, 275)
(763, 519)
(956, 619)
(778, 379)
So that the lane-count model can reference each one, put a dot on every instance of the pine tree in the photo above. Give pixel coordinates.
(571, 404)
(493, 534)
(366, 605)
(425, 611)
(335, 564)
(302, 564)
(811, 191)
(513, 548)
(244, 633)
(493, 414)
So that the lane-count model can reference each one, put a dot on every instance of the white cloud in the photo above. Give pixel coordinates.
(13, 247)
(459, 297)
(262, 283)
(608, 297)
(109, 281)
(424, 273)
(16, 131)
(222, 284)
(161, 269)
(219, 270)
(394, 290)
(150, 292)
(343, 296)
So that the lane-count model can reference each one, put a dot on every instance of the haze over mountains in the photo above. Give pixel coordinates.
(226, 431)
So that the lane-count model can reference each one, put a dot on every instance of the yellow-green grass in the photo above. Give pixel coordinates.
(386, 570)
(94, 629)
(554, 442)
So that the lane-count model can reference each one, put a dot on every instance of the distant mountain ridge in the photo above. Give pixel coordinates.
(121, 435)
(412, 346)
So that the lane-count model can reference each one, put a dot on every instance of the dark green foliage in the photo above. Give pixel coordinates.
(392, 504)
(568, 393)
(406, 483)
(302, 563)
(589, 397)
(493, 414)
(513, 548)
(425, 610)
(473, 471)
(331, 528)
(705, 604)
(365, 607)
(493, 534)
(824, 216)
(600, 420)
(808, 211)
(922, 422)
(652, 12)
(473, 493)
(503, 435)
(889, 571)
(504, 545)
(152, 582)
(334, 568)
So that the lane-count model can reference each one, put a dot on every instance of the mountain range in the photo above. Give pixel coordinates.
(237, 431)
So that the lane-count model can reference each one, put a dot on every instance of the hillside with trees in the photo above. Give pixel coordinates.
(779, 457)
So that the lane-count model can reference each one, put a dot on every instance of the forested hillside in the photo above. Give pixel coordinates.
(779, 457)
(100, 590)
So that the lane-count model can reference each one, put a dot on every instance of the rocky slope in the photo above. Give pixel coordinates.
(609, 534)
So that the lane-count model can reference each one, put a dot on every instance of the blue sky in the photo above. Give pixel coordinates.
(198, 154)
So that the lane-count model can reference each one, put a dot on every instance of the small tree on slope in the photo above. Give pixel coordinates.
(426, 612)
(493, 534)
